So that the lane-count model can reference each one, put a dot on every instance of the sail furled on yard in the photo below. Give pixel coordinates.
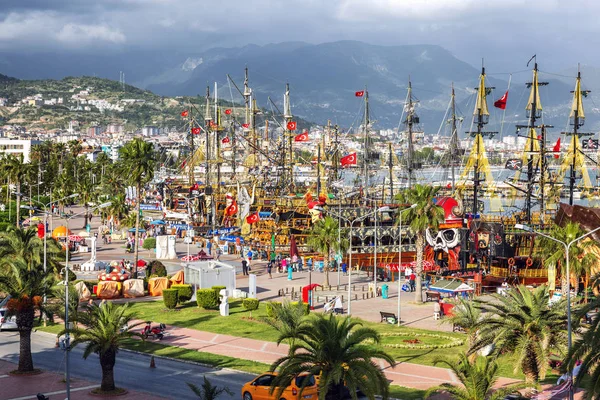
(481, 107)
(534, 94)
(577, 104)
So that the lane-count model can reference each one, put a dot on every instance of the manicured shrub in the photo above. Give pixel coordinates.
(217, 289)
(149, 243)
(156, 268)
(272, 307)
(207, 298)
(250, 304)
(306, 306)
(170, 298)
(184, 292)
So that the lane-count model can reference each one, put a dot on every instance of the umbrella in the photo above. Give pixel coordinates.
(75, 238)
(141, 263)
(142, 230)
(157, 222)
(293, 247)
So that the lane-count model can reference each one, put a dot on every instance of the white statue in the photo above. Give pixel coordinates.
(245, 201)
(224, 306)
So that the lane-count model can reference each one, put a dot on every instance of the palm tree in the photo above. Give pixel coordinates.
(425, 215)
(581, 259)
(477, 378)
(339, 351)
(23, 245)
(208, 391)
(587, 350)
(87, 193)
(467, 315)
(16, 170)
(524, 323)
(118, 208)
(25, 285)
(105, 329)
(138, 164)
(324, 238)
(287, 319)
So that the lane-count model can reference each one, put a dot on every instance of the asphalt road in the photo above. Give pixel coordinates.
(132, 370)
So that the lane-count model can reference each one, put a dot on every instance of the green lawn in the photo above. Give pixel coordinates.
(404, 393)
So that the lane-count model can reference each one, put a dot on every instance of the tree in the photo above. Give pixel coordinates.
(340, 351)
(467, 315)
(477, 379)
(324, 238)
(87, 193)
(106, 328)
(425, 215)
(208, 391)
(287, 319)
(15, 169)
(25, 285)
(138, 164)
(581, 260)
(23, 245)
(524, 323)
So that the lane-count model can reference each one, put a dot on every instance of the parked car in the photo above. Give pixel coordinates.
(258, 388)
(7, 322)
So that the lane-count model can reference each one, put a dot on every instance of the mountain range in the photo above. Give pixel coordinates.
(324, 77)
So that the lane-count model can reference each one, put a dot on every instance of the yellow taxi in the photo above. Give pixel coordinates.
(259, 387)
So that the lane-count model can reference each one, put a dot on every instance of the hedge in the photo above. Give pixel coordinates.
(156, 268)
(207, 298)
(184, 292)
(306, 306)
(217, 289)
(170, 297)
(250, 304)
(272, 307)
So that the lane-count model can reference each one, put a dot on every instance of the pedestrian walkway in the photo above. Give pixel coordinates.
(52, 385)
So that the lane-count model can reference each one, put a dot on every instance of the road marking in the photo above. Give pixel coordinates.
(3, 376)
(264, 346)
(57, 392)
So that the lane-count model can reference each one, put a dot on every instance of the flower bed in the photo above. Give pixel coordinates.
(420, 341)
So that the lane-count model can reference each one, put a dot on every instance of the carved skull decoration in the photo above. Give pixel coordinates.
(444, 240)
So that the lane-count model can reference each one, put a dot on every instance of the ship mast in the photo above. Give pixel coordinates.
(287, 115)
(366, 140)
(207, 156)
(411, 119)
(453, 138)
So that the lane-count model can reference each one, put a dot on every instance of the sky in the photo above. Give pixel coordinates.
(504, 32)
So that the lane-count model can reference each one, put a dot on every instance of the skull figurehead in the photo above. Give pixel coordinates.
(447, 239)
(444, 240)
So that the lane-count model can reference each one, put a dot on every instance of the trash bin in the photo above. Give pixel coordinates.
(384, 291)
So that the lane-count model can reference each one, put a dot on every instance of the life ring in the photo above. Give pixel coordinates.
(529, 262)
(511, 261)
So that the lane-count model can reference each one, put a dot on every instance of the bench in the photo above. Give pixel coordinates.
(432, 296)
(386, 315)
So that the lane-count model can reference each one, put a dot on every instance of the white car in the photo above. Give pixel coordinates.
(7, 322)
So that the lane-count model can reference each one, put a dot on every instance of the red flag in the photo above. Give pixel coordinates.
(225, 140)
(245, 125)
(232, 209)
(252, 218)
(228, 111)
(195, 131)
(501, 103)
(291, 125)
(350, 159)
(303, 137)
(184, 113)
(40, 230)
(556, 148)
(360, 93)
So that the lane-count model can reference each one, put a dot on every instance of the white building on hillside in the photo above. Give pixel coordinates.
(18, 146)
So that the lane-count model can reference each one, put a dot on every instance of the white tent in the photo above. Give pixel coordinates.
(165, 247)
(206, 274)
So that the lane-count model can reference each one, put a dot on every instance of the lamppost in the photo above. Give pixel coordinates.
(567, 247)
(400, 254)
(66, 283)
(351, 223)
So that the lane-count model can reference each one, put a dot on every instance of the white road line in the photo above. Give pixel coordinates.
(57, 392)
(3, 376)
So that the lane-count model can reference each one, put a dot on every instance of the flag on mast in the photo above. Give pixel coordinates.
(501, 102)
(360, 93)
(556, 148)
(350, 159)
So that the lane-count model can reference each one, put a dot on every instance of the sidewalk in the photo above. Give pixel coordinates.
(52, 385)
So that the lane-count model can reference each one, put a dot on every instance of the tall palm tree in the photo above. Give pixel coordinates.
(87, 194)
(324, 238)
(339, 351)
(581, 260)
(287, 319)
(23, 245)
(118, 208)
(587, 350)
(467, 315)
(25, 285)
(15, 169)
(425, 215)
(477, 378)
(138, 165)
(105, 329)
(524, 323)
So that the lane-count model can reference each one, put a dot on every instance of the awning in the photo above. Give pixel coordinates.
(450, 286)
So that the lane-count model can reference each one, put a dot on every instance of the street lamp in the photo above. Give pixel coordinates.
(400, 254)
(351, 223)
(66, 283)
(567, 246)
(381, 209)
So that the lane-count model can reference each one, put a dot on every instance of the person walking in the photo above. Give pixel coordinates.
(269, 269)
(244, 266)
(411, 281)
(209, 247)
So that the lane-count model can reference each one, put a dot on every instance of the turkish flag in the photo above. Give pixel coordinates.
(252, 218)
(291, 125)
(501, 102)
(556, 148)
(40, 230)
(228, 111)
(303, 137)
(195, 131)
(359, 93)
(225, 140)
(232, 209)
(350, 159)
(245, 125)
(212, 124)
(184, 113)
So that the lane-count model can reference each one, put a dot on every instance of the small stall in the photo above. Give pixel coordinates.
(451, 287)
(206, 274)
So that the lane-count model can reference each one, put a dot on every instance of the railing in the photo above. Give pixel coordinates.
(523, 273)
